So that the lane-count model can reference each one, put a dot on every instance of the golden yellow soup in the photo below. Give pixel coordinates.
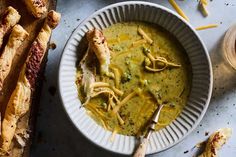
(170, 86)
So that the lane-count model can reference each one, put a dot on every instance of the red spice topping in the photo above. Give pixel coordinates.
(214, 140)
(33, 63)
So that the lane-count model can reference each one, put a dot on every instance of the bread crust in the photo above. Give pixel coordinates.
(9, 18)
(216, 141)
(37, 7)
(17, 36)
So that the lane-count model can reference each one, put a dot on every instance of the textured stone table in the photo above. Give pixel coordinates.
(57, 137)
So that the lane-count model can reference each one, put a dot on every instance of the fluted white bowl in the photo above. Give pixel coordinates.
(202, 80)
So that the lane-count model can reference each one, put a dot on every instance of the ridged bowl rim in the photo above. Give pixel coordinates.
(172, 14)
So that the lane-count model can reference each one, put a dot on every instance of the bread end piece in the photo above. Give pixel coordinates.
(17, 36)
(37, 7)
(53, 18)
(12, 16)
(216, 141)
(19, 32)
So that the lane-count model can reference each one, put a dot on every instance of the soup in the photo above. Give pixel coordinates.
(147, 67)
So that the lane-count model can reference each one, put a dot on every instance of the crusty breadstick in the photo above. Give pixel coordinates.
(98, 44)
(16, 38)
(215, 142)
(20, 100)
(37, 7)
(9, 18)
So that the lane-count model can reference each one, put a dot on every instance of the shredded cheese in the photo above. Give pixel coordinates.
(121, 121)
(108, 107)
(163, 60)
(101, 92)
(108, 91)
(139, 42)
(99, 84)
(117, 76)
(154, 61)
(103, 84)
(150, 56)
(124, 101)
(104, 124)
(202, 7)
(112, 138)
(154, 69)
(206, 27)
(144, 35)
(95, 113)
(117, 91)
(178, 9)
(112, 105)
(204, 2)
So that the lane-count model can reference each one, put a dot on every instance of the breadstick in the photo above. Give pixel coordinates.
(16, 38)
(215, 142)
(20, 100)
(9, 18)
(37, 7)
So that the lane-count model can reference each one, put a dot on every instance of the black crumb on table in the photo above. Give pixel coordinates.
(206, 133)
(185, 152)
(52, 90)
(52, 46)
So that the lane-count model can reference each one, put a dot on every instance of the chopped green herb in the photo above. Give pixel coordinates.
(126, 77)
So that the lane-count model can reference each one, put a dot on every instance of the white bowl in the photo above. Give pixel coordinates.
(202, 80)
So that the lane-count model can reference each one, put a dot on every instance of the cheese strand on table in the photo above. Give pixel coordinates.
(178, 9)
(203, 7)
(206, 27)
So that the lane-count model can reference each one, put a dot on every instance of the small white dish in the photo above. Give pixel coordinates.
(202, 79)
